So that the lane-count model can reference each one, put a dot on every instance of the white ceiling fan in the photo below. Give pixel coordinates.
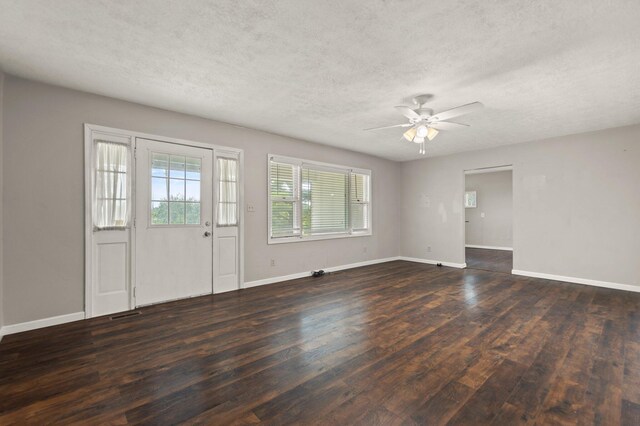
(425, 124)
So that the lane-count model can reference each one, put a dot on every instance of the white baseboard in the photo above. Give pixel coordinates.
(585, 281)
(489, 247)
(434, 262)
(41, 323)
(281, 278)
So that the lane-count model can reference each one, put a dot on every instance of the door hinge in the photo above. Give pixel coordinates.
(135, 153)
(134, 292)
(134, 222)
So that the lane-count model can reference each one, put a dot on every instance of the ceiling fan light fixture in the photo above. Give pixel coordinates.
(410, 134)
(421, 120)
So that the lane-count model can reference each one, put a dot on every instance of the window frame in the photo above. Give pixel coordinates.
(94, 171)
(475, 200)
(150, 196)
(233, 157)
(300, 163)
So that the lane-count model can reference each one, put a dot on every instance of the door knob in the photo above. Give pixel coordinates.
(207, 234)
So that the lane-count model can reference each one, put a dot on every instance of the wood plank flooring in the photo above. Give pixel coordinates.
(489, 260)
(394, 343)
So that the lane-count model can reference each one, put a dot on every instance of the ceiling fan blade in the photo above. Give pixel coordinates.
(457, 111)
(389, 127)
(447, 125)
(408, 112)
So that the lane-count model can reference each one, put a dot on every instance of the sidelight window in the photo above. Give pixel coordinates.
(111, 185)
(227, 191)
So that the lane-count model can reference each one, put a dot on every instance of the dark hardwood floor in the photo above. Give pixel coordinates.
(394, 343)
(490, 260)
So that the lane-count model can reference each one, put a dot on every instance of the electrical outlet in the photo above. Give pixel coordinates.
(251, 208)
(428, 249)
(273, 262)
(364, 249)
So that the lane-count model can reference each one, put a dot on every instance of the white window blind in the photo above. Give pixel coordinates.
(313, 200)
(228, 192)
(111, 206)
(284, 186)
(324, 201)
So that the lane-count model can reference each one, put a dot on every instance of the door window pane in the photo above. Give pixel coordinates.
(176, 190)
(159, 213)
(193, 213)
(176, 213)
(159, 189)
(175, 179)
(177, 167)
(159, 165)
(193, 190)
(193, 168)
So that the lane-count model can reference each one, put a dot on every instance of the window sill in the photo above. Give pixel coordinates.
(285, 240)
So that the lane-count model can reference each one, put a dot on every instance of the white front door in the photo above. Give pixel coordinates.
(174, 221)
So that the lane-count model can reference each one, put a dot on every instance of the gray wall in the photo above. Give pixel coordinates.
(576, 207)
(576, 204)
(43, 209)
(495, 196)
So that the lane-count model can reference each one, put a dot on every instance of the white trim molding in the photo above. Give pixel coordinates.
(488, 170)
(41, 323)
(488, 247)
(434, 262)
(584, 281)
(295, 276)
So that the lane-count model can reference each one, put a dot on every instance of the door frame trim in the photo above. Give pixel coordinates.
(463, 228)
(88, 218)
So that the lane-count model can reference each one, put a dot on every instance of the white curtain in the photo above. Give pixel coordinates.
(228, 198)
(112, 186)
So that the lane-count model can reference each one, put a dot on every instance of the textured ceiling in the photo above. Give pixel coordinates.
(324, 70)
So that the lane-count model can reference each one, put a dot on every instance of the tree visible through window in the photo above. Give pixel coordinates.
(175, 189)
(309, 199)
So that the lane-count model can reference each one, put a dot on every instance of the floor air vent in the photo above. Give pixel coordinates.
(125, 315)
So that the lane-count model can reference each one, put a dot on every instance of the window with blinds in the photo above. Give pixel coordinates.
(309, 200)
(359, 191)
(284, 184)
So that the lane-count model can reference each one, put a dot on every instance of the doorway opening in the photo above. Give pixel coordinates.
(488, 203)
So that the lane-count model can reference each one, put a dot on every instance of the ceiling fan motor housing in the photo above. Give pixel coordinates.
(425, 112)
